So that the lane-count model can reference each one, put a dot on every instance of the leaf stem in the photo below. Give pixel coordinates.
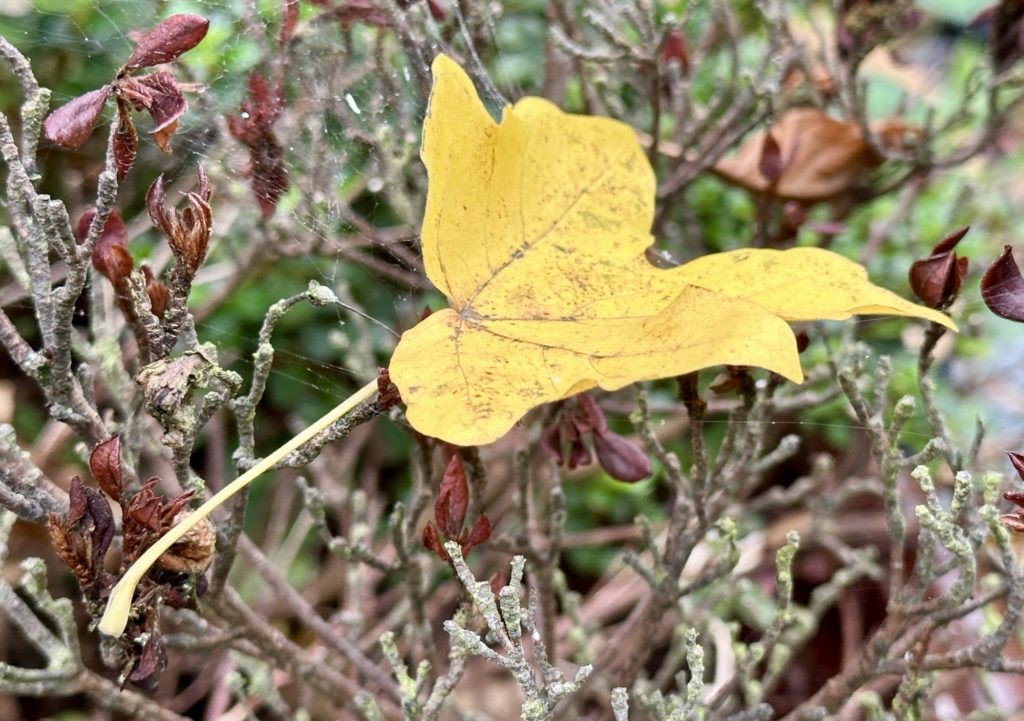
(115, 617)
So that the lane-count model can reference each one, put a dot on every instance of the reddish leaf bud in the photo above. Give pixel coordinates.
(105, 465)
(1015, 497)
(159, 296)
(110, 254)
(452, 499)
(593, 417)
(950, 241)
(436, 10)
(479, 533)
(72, 123)
(151, 661)
(620, 458)
(126, 140)
(551, 441)
(432, 543)
(289, 21)
(168, 41)
(187, 232)
(1017, 460)
(166, 105)
(1002, 288)
(937, 279)
(353, 11)
(674, 50)
(253, 127)
(579, 455)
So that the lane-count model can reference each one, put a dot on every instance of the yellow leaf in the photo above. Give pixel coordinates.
(535, 230)
(801, 284)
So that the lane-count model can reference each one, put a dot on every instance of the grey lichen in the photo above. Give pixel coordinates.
(506, 619)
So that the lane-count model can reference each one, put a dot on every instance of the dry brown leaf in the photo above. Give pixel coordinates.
(822, 157)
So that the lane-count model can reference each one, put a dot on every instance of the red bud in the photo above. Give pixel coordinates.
(620, 458)
(673, 50)
(1017, 460)
(159, 296)
(479, 533)
(452, 499)
(432, 543)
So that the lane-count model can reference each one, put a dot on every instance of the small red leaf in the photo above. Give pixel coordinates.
(620, 458)
(253, 127)
(159, 296)
(452, 499)
(436, 10)
(432, 543)
(126, 140)
(593, 416)
(76, 501)
(934, 279)
(105, 465)
(168, 41)
(479, 533)
(353, 11)
(1017, 459)
(110, 255)
(145, 506)
(72, 123)
(103, 525)
(149, 663)
(579, 455)
(158, 215)
(114, 230)
(1002, 288)
(551, 441)
(167, 105)
(1015, 497)
(949, 242)
(289, 19)
(674, 50)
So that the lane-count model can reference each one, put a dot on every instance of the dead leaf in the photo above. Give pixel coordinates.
(822, 157)
(535, 230)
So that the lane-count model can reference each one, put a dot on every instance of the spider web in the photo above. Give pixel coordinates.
(342, 121)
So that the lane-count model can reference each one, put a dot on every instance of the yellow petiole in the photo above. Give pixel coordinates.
(115, 617)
